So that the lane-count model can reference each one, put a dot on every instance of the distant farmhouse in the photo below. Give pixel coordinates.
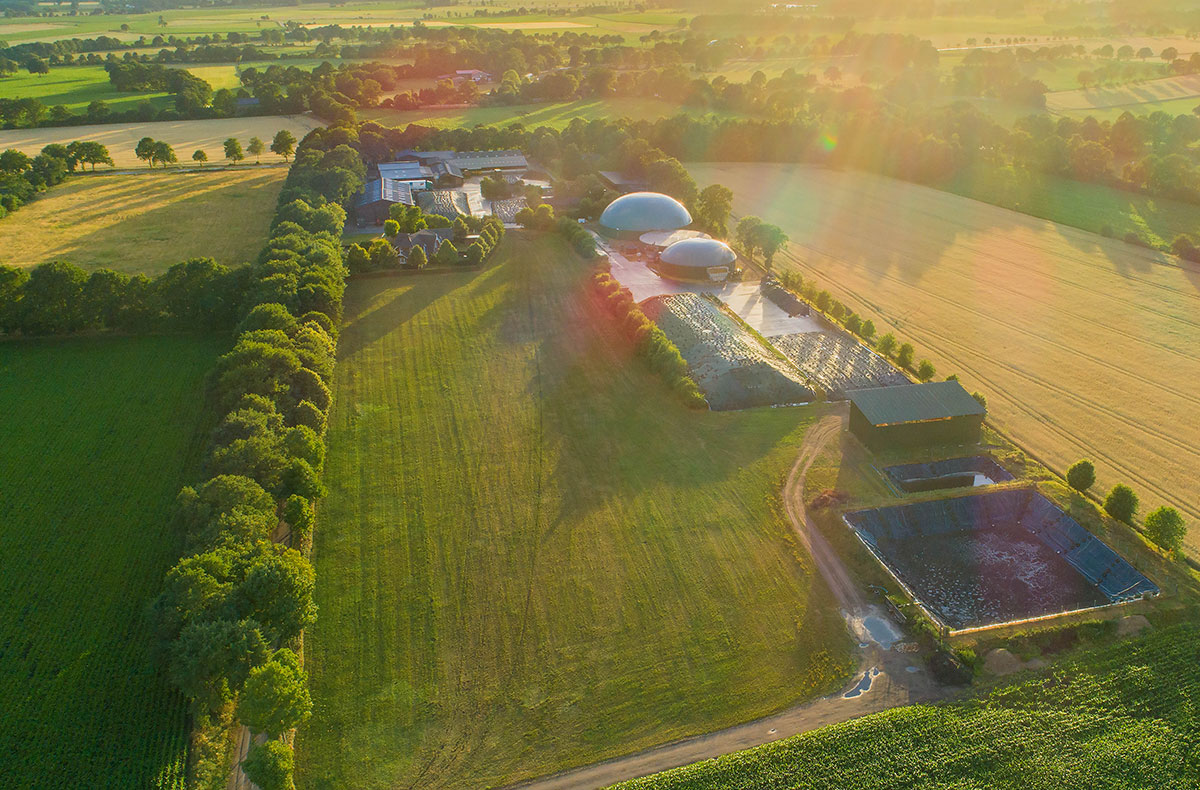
(411, 173)
(464, 75)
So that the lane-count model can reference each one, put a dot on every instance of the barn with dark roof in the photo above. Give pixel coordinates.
(915, 415)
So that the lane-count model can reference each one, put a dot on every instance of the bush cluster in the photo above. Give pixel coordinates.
(381, 255)
(230, 607)
(649, 342)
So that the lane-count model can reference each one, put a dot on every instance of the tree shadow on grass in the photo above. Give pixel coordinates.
(166, 224)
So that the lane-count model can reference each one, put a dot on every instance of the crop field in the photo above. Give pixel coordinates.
(99, 436)
(75, 87)
(554, 115)
(184, 136)
(532, 557)
(1084, 346)
(195, 21)
(1115, 717)
(1127, 97)
(145, 222)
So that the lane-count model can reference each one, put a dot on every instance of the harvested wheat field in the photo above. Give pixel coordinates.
(145, 222)
(184, 136)
(1166, 89)
(1083, 345)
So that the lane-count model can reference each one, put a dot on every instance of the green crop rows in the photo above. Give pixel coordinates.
(99, 435)
(1121, 717)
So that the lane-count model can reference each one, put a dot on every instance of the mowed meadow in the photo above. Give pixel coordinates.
(184, 136)
(99, 436)
(532, 556)
(1084, 346)
(143, 223)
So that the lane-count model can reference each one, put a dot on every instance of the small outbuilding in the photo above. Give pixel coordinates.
(915, 415)
(629, 216)
(696, 260)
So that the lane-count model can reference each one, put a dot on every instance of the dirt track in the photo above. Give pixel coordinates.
(893, 687)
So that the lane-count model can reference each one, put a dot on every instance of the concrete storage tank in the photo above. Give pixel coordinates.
(631, 215)
(696, 260)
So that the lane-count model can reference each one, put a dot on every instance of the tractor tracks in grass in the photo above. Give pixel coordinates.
(893, 684)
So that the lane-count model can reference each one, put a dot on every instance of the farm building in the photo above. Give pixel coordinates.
(696, 260)
(915, 415)
(429, 239)
(629, 216)
(459, 161)
(377, 198)
(415, 174)
(621, 183)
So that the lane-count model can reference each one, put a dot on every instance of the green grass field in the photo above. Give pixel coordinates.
(75, 87)
(199, 20)
(145, 222)
(1092, 207)
(532, 557)
(1120, 716)
(99, 436)
(555, 116)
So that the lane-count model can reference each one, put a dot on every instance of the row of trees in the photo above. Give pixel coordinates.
(22, 176)
(230, 611)
(60, 298)
(1164, 526)
(648, 341)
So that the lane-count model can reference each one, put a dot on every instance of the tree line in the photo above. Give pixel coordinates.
(22, 176)
(1164, 526)
(649, 342)
(230, 611)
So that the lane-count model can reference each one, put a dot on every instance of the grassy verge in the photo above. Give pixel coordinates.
(99, 436)
(1118, 716)
(532, 556)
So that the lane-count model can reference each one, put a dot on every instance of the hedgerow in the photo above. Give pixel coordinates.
(240, 600)
(649, 342)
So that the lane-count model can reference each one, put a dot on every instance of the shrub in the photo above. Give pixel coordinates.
(298, 513)
(905, 355)
(1081, 475)
(886, 344)
(417, 259)
(1121, 503)
(925, 370)
(980, 398)
(270, 766)
(1165, 527)
(275, 696)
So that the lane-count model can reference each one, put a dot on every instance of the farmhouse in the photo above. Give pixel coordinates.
(631, 215)
(916, 415)
(428, 239)
(696, 260)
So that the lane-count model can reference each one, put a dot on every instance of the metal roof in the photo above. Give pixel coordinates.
(467, 160)
(407, 171)
(937, 400)
(386, 189)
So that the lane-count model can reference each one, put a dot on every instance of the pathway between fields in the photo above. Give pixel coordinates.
(895, 685)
